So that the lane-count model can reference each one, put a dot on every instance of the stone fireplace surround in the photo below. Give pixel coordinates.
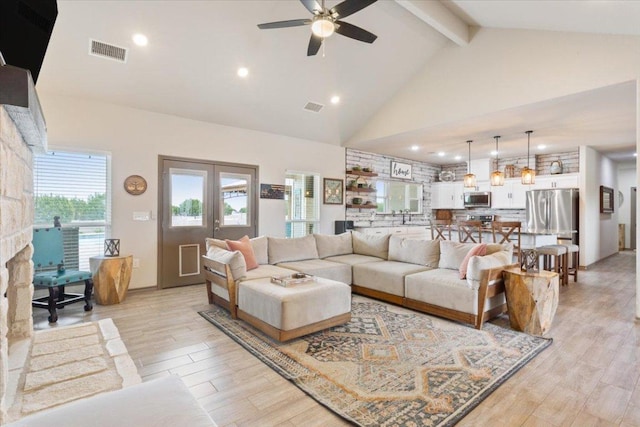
(16, 229)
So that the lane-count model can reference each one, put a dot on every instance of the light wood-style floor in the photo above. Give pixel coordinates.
(590, 376)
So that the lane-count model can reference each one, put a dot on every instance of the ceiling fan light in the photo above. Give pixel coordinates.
(323, 27)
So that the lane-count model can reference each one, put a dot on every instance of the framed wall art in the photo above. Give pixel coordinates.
(400, 170)
(606, 199)
(272, 191)
(333, 191)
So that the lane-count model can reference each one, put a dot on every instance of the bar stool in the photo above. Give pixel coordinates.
(559, 255)
(572, 270)
(469, 231)
(440, 229)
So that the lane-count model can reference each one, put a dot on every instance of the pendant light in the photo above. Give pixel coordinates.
(497, 177)
(469, 178)
(528, 175)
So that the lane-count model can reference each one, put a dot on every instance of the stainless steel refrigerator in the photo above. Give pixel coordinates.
(553, 211)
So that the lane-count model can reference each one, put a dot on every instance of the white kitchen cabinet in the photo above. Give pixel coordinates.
(566, 180)
(447, 195)
(512, 195)
(408, 231)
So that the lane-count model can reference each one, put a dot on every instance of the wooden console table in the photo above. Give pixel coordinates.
(111, 277)
(532, 299)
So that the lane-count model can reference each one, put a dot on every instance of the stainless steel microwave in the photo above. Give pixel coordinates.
(477, 199)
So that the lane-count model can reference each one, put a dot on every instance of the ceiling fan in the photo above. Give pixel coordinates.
(327, 21)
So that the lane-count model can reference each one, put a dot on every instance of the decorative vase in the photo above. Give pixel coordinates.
(529, 261)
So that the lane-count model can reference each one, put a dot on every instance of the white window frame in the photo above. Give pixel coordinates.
(306, 214)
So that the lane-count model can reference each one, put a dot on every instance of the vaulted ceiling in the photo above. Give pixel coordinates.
(188, 69)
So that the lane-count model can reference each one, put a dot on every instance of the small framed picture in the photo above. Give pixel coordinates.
(606, 199)
(333, 191)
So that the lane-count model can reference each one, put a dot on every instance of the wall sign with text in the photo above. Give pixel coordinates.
(400, 170)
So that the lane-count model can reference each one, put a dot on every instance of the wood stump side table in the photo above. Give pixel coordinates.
(532, 299)
(111, 277)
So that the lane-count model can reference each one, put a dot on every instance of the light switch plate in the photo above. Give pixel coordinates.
(141, 216)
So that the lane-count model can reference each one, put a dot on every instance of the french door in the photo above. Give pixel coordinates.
(200, 199)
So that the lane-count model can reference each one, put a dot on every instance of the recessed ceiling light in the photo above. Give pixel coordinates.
(441, 153)
(458, 157)
(243, 72)
(414, 148)
(335, 99)
(635, 154)
(494, 152)
(140, 39)
(541, 147)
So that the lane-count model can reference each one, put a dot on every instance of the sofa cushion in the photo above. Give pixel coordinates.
(479, 263)
(260, 249)
(414, 251)
(385, 276)
(321, 268)
(372, 245)
(452, 254)
(443, 288)
(246, 249)
(210, 241)
(333, 245)
(478, 250)
(353, 259)
(267, 270)
(296, 249)
(235, 260)
(497, 247)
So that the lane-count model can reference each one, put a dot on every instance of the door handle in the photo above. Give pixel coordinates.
(216, 225)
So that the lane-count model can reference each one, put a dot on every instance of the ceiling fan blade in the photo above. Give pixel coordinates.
(349, 7)
(311, 5)
(314, 45)
(284, 24)
(357, 33)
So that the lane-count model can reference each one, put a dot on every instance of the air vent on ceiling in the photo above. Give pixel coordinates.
(106, 50)
(313, 107)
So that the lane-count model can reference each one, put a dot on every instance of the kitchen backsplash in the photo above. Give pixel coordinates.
(425, 174)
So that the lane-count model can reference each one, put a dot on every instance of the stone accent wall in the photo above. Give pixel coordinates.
(422, 173)
(16, 229)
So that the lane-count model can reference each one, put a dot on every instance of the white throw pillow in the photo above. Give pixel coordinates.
(330, 245)
(372, 245)
(479, 263)
(235, 260)
(210, 241)
(414, 251)
(296, 249)
(261, 249)
(452, 254)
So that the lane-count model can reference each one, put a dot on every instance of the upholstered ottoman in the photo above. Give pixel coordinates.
(288, 312)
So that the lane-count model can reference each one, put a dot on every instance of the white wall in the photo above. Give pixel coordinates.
(627, 178)
(598, 231)
(502, 69)
(135, 138)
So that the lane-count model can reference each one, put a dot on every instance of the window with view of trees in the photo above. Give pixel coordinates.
(73, 188)
(302, 197)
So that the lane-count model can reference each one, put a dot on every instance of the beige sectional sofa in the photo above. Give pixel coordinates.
(416, 273)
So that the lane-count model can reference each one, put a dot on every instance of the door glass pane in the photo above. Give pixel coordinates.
(187, 198)
(235, 198)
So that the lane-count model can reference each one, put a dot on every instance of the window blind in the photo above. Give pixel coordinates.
(73, 187)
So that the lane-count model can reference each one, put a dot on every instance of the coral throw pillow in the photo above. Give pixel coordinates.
(479, 250)
(244, 246)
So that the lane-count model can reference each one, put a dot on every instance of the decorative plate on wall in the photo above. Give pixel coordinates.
(135, 185)
(447, 176)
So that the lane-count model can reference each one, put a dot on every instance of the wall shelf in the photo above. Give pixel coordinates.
(361, 173)
(370, 206)
(361, 189)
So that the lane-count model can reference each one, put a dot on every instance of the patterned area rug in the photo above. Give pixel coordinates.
(391, 366)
